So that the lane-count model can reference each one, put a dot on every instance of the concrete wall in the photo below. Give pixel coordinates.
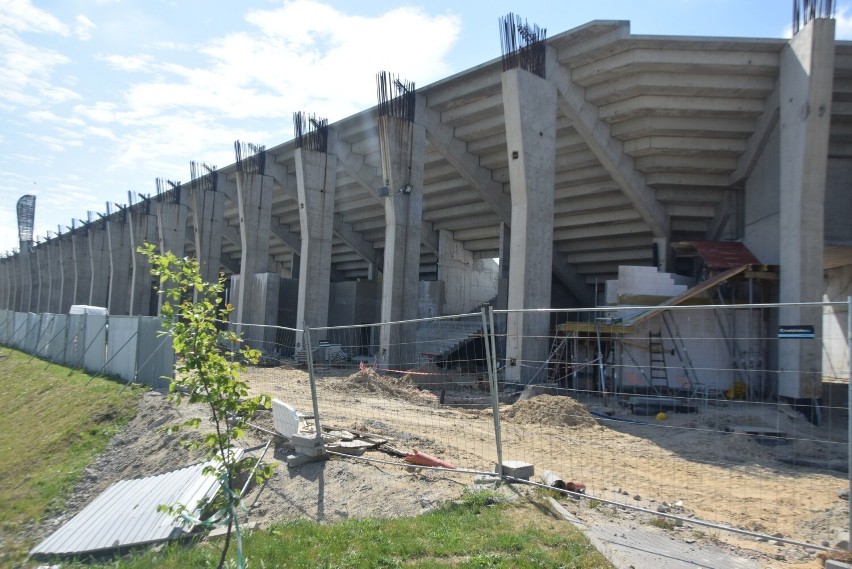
(835, 354)
(763, 205)
(431, 299)
(703, 337)
(838, 202)
(354, 302)
(468, 282)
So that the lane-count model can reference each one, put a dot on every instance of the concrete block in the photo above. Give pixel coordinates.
(306, 441)
(832, 564)
(518, 469)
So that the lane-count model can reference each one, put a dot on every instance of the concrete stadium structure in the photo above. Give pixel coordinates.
(623, 146)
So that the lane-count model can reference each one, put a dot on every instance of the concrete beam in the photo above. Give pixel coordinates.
(455, 152)
(764, 126)
(354, 239)
(370, 180)
(282, 232)
(564, 271)
(609, 150)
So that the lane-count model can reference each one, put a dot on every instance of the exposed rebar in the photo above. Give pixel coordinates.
(523, 45)
(26, 216)
(311, 133)
(805, 11)
(396, 98)
(251, 158)
(203, 176)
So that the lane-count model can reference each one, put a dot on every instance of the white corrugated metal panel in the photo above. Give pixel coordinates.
(126, 513)
(95, 343)
(156, 357)
(123, 338)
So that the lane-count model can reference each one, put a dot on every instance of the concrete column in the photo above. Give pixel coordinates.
(208, 215)
(316, 177)
(28, 298)
(82, 266)
(662, 246)
(142, 229)
(403, 173)
(806, 83)
(99, 262)
(257, 293)
(57, 275)
(42, 266)
(504, 260)
(66, 256)
(171, 231)
(120, 263)
(529, 104)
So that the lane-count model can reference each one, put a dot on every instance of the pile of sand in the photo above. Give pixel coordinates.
(551, 410)
(368, 380)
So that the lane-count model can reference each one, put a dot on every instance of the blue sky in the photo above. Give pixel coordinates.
(101, 97)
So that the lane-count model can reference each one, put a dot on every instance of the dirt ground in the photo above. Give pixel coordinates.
(689, 464)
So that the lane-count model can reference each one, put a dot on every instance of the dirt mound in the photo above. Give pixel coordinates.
(369, 380)
(431, 375)
(552, 410)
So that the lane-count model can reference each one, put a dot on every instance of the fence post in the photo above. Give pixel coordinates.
(490, 357)
(310, 358)
(849, 413)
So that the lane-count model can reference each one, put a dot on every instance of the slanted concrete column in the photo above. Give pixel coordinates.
(66, 257)
(28, 298)
(402, 146)
(56, 274)
(208, 215)
(120, 263)
(171, 231)
(806, 83)
(316, 177)
(257, 293)
(99, 262)
(42, 267)
(143, 229)
(82, 266)
(529, 104)
(504, 260)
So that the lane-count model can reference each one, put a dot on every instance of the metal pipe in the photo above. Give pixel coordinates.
(313, 381)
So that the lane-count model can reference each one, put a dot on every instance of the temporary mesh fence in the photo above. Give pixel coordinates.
(731, 416)
(676, 410)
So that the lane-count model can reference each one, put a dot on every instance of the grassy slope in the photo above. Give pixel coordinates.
(471, 534)
(51, 426)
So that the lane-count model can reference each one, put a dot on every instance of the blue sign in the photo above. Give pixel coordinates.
(800, 331)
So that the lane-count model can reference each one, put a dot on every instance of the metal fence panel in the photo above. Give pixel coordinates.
(156, 357)
(30, 341)
(75, 340)
(20, 330)
(51, 345)
(95, 346)
(121, 348)
(7, 320)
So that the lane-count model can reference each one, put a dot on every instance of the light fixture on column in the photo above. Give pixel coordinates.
(406, 189)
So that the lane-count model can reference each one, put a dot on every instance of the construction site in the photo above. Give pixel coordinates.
(654, 229)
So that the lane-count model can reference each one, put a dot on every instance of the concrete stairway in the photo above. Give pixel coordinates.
(437, 339)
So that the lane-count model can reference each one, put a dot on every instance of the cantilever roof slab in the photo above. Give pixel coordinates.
(126, 514)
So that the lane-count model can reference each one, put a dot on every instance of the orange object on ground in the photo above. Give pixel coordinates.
(423, 459)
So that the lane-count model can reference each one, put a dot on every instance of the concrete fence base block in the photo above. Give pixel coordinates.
(517, 469)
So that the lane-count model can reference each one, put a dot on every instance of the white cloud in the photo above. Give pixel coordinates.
(326, 64)
(83, 27)
(22, 16)
(843, 23)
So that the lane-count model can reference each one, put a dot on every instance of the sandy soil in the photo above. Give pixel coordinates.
(688, 464)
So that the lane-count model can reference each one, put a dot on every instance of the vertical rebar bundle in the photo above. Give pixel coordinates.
(311, 133)
(26, 217)
(805, 11)
(396, 98)
(203, 176)
(251, 158)
(523, 45)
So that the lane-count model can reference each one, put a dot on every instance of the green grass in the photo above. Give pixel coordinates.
(51, 426)
(470, 534)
